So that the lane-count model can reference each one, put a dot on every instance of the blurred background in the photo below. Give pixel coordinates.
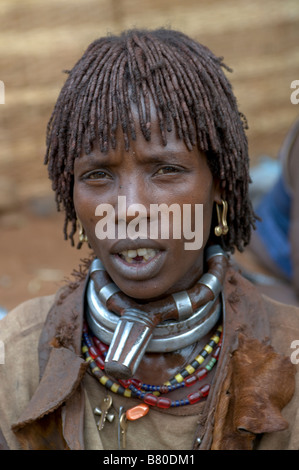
(38, 40)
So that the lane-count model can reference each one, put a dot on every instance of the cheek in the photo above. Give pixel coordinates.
(85, 206)
(80, 203)
(203, 194)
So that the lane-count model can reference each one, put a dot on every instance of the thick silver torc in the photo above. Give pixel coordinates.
(135, 332)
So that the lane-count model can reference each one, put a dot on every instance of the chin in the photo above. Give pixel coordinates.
(143, 290)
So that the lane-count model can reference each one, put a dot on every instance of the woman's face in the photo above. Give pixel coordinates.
(149, 174)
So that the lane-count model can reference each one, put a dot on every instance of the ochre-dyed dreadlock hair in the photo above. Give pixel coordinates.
(190, 91)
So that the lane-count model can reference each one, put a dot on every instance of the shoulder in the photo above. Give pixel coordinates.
(25, 319)
(284, 324)
(282, 319)
(19, 370)
(283, 331)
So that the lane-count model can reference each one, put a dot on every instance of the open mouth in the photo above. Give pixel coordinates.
(140, 255)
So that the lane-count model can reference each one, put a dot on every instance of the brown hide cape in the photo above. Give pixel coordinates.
(252, 384)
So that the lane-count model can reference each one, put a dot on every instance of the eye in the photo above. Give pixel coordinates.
(167, 169)
(96, 175)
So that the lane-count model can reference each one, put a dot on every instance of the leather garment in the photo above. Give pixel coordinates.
(252, 384)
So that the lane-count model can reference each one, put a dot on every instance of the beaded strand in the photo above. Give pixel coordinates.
(94, 352)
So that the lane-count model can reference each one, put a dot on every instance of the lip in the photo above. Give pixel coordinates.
(128, 244)
(138, 271)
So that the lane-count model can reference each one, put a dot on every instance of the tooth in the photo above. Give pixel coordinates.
(132, 253)
(142, 251)
(150, 254)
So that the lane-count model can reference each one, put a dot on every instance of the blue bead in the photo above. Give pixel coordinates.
(87, 340)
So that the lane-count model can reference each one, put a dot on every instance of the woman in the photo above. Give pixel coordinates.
(159, 343)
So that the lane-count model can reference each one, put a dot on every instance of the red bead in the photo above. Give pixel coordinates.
(201, 373)
(100, 362)
(125, 383)
(190, 380)
(137, 383)
(93, 352)
(204, 390)
(163, 402)
(194, 397)
(216, 352)
(150, 399)
(100, 346)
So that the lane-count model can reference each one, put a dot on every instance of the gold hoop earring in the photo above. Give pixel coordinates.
(221, 228)
(82, 236)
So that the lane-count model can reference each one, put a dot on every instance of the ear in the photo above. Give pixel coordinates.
(218, 191)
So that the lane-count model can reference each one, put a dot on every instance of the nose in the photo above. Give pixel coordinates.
(133, 201)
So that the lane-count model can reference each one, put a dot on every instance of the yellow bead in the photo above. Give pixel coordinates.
(114, 388)
(215, 339)
(104, 379)
(208, 348)
(190, 369)
(179, 378)
(199, 359)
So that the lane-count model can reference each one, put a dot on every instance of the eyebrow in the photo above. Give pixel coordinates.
(147, 156)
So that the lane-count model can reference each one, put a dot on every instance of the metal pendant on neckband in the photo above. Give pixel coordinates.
(167, 336)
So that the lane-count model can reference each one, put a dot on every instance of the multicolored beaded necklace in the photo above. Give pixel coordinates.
(94, 352)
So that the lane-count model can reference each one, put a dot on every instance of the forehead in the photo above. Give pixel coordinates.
(151, 135)
(145, 150)
(134, 109)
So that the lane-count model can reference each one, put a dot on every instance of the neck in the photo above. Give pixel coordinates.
(133, 332)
